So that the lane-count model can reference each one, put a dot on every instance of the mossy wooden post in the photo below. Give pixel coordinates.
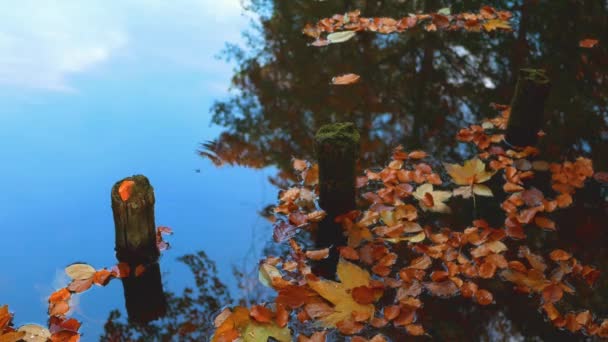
(337, 150)
(135, 231)
(527, 107)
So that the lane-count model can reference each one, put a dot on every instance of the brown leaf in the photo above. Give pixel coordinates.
(552, 293)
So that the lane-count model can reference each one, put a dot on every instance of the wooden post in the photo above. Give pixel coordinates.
(134, 222)
(135, 229)
(337, 150)
(527, 107)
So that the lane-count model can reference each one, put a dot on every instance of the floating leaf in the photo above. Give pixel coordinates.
(588, 43)
(471, 172)
(351, 276)
(34, 333)
(345, 79)
(494, 24)
(445, 11)
(340, 37)
(438, 197)
(80, 271)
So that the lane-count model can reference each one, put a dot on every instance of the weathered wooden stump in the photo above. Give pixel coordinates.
(527, 107)
(337, 150)
(135, 229)
(134, 221)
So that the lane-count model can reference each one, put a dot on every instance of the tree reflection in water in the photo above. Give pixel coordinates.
(189, 317)
(416, 89)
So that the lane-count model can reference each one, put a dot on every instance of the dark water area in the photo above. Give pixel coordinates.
(417, 89)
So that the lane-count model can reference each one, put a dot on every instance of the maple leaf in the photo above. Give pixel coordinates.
(339, 294)
(237, 323)
(470, 175)
(437, 198)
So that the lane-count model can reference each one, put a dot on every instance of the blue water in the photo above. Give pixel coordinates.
(137, 112)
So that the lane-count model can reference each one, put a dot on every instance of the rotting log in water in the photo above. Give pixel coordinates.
(135, 229)
(337, 150)
(527, 107)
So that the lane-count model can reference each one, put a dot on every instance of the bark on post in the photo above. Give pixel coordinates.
(134, 222)
(337, 150)
(527, 107)
(135, 231)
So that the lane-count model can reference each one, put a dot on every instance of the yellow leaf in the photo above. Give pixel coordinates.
(339, 295)
(482, 190)
(256, 332)
(493, 24)
(472, 172)
(438, 198)
(80, 271)
(413, 238)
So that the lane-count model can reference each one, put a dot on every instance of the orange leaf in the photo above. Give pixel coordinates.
(588, 43)
(552, 293)
(348, 253)
(59, 308)
(59, 295)
(102, 277)
(282, 316)
(363, 295)
(544, 222)
(414, 329)
(391, 312)
(560, 255)
(121, 270)
(417, 154)
(261, 314)
(345, 79)
(484, 297)
(125, 189)
(318, 254)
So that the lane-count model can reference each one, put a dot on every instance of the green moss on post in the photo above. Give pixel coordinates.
(527, 107)
(134, 224)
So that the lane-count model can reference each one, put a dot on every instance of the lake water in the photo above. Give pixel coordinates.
(136, 89)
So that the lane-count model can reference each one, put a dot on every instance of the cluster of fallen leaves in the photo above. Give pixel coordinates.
(60, 327)
(342, 27)
(403, 198)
